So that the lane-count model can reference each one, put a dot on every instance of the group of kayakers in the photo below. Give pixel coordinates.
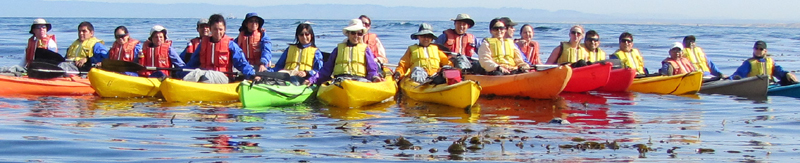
(362, 56)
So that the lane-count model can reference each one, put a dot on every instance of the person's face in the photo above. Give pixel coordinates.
(217, 30)
(626, 44)
(759, 52)
(689, 44)
(252, 24)
(510, 32)
(425, 40)
(498, 30)
(461, 27)
(157, 38)
(305, 37)
(366, 23)
(592, 42)
(40, 30)
(203, 30)
(527, 33)
(675, 53)
(121, 36)
(355, 36)
(575, 35)
(84, 33)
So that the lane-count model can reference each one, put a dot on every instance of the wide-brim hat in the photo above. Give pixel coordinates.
(424, 29)
(247, 17)
(40, 21)
(158, 28)
(465, 18)
(354, 25)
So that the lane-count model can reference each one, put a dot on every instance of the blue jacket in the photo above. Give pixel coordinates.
(316, 67)
(237, 59)
(100, 53)
(744, 69)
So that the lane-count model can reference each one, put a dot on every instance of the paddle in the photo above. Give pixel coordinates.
(44, 70)
(48, 56)
(123, 66)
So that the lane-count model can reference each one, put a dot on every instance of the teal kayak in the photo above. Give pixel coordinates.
(262, 95)
(789, 90)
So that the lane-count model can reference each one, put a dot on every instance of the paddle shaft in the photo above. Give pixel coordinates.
(185, 69)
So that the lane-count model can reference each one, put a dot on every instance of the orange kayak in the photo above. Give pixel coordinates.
(72, 86)
(546, 84)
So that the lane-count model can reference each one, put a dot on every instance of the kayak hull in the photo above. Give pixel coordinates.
(677, 84)
(262, 95)
(755, 86)
(619, 80)
(111, 84)
(69, 86)
(588, 78)
(175, 90)
(546, 84)
(356, 94)
(459, 95)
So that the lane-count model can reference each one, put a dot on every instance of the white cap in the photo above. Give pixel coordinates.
(677, 45)
(158, 28)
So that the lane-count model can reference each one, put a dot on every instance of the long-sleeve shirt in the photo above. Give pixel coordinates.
(713, 68)
(745, 68)
(237, 59)
(313, 74)
(487, 62)
(327, 67)
(266, 49)
(100, 53)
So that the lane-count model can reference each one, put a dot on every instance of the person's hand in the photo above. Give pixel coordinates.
(504, 70)
(80, 62)
(306, 82)
(98, 64)
(302, 74)
(377, 79)
(396, 75)
(262, 68)
(257, 78)
(525, 67)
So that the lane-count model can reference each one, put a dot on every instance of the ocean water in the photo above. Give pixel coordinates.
(676, 128)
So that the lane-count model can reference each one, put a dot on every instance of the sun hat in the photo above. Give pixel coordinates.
(354, 25)
(760, 44)
(677, 45)
(202, 21)
(158, 28)
(424, 29)
(248, 16)
(40, 21)
(465, 18)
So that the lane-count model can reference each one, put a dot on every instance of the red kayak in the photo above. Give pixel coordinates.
(619, 81)
(588, 78)
(71, 86)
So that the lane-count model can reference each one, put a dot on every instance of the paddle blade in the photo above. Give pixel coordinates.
(45, 55)
(44, 70)
(120, 66)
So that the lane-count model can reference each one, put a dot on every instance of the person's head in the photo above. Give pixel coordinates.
(366, 21)
(425, 34)
(462, 22)
(121, 34)
(158, 35)
(202, 27)
(509, 26)
(676, 51)
(40, 27)
(216, 24)
(576, 34)
(497, 28)
(592, 40)
(626, 41)
(688, 41)
(304, 34)
(252, 22)
(760, 49)
(354, 31)
(85, 31)
(526, 32)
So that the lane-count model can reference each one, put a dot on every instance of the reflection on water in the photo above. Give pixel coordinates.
(413, 108)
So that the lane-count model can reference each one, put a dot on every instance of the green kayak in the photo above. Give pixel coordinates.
(262, 95)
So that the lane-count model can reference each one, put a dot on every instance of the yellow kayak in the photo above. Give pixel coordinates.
(111, 84)
(356, 94)
(459, 95)
(677, 84)
(185, 91)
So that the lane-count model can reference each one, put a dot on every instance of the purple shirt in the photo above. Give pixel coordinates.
(327, 67)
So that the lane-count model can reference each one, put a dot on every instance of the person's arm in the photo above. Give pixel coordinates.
(327, 68)
(713, 68)
(778, 71)
(441, 40)
(100, 53)
(554, 55)
(136, 51)
(742, 71)
(476, 44)
(239, 61)
(183, 55)
(444, 60)
(381, 56)
(373, 69)
(666, 69)
(194, 59)
(522, 55)
(404, 63)
(51, 45)
(175, 58)
(281, 61)
(266, 50)
(316, 67)
(535, 54)
(518, 59)
(485, 57)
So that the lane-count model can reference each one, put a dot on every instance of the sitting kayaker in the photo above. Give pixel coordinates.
(527, 45)
(302, 58)
(762, 64)
(499, 55)
(698, 58)
(351, 59)
(218, 52)
(372, 41)
(457, 39)
(255, 43)
(85, 51)
(676, 63)
(510, 34)
(591, 44)
(629, 56)
(202, 31)
(157, 52)
(570, 51)
(40, 39)
(125, 48)
(425, 55)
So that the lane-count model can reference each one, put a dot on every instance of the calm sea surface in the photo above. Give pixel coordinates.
(697, 128)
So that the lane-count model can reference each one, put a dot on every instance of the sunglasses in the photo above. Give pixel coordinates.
(592, 39)
(626, 40)
(120, 35)
(759, 48)
(499, 28)
(356, 33)
(575, 32)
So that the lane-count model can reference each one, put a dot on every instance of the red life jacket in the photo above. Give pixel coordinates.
(216, 56)
(30, 51)
(370, 40)
(251, 46)
(123, 52)
(192, 45)
(155, 57)
(528, 48)
(680, 66)
(460, 44)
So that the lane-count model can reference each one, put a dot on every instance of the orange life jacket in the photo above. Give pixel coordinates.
(155, 57)
(251, 46)
(462, 44)
(216, 56)
(30, 51)
(528, 48)
(192, 46)
(124, 52)
(371, 40)
(680, 66)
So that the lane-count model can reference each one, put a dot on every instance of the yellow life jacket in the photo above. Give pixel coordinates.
(80, 50)
(425, 57)
(302, 59)
(351, 60)
(758, 68)
(697, 57)
(571, 54)
(631, 59)
(596, 56)
(502, 51)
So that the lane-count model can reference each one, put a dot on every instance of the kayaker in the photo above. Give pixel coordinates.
(124, 48)
(40, 39)
(372, 41)
(302, 58)
(425, 55)
(86, 50)
(499, 55)
(255, 43)
(569, 51)
(676, 63)
(202, 31)
(592, 46)
(218, 52)
(698, 58)
(629, 56)
(457, 39)
(510, 32)
(157, 52)
(527, 45)
(346, 59)
(760, 64)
